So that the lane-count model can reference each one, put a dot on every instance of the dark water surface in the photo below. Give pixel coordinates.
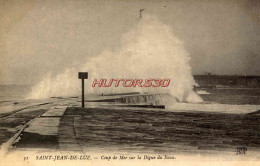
(237, 96)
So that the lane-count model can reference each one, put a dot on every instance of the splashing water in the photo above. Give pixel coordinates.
(149, 50)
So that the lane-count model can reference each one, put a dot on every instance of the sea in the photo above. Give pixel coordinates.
(13, 92)
(13, 96)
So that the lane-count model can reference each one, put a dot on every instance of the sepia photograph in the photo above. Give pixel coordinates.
(143, 82)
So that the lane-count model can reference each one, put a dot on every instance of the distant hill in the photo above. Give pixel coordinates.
(228, 80)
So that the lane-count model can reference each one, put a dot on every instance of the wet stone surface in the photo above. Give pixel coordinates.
(159, 131)
(13, 123)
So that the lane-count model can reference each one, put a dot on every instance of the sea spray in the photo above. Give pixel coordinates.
(148, 50)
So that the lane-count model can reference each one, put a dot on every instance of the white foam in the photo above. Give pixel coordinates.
(202, 92)
(148, 50)
(217, 108)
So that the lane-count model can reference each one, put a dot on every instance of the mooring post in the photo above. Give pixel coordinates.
(82, 76)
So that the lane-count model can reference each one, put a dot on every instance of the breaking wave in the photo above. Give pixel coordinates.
(148, 50)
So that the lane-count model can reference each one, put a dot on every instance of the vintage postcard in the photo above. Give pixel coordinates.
(138, 82)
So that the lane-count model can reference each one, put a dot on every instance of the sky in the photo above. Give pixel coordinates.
(37, 37)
